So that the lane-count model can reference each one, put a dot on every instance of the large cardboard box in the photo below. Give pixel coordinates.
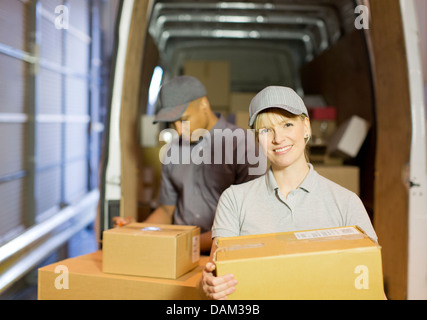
(242, 119)
(240, 101)
(215, 76)
(346, 176)
(336, 263)
(151, 250)
(81, 278)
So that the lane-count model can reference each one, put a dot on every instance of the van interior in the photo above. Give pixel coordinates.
(239, 48)
(344, 57)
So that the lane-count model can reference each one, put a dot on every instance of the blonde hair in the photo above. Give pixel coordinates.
(271, 115)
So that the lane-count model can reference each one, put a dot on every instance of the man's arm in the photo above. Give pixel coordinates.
(205, 241)
(162, 215)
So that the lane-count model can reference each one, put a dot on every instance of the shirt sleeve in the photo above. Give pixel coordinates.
(357, 216)
(226, 222)
(168, 194)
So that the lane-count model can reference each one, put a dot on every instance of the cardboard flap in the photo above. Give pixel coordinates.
(161, 230)
(290, 243)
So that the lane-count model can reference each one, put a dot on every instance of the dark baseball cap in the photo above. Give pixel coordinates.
(276, 97)
(175, 96)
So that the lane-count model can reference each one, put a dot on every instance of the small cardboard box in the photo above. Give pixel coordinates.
(215, 76)
(242, 119)
(347, 140)
(81, 278)
(240, 101)
(151, 250)
(335, 263)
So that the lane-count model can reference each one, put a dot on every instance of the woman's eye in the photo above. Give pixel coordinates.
(264, 131)
(288, 124)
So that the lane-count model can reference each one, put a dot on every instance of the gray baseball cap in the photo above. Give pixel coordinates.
(175, 96)
(276, 97)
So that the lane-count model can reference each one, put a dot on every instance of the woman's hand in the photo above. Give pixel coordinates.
(217, 288)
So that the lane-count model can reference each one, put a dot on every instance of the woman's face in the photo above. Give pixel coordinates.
(282, 136)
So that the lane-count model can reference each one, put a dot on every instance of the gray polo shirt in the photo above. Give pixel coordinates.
(198, 173)
(258, 207)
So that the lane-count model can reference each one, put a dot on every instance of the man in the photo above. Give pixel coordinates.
(191, 184)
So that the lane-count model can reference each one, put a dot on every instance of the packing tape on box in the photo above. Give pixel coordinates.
(151, 229)
(241, 246)
(155, 229)
(237, 247)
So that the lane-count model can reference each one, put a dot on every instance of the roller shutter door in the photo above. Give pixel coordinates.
(49, 101)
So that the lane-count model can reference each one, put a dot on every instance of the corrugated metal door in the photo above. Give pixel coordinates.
(49, 103)
(13, 117)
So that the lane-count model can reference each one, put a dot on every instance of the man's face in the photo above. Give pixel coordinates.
(197, 119)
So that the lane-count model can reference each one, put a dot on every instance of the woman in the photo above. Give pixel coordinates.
(291, 196)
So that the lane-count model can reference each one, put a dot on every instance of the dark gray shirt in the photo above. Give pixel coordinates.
(198, 173)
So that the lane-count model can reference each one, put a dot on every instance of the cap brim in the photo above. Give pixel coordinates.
(170, 114)
(280, 106)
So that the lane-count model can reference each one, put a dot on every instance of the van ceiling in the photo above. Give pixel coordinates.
(266, 42)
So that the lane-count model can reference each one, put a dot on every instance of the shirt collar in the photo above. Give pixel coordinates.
(307, 184)
(271, 181)
(310, 180)
(220, 124)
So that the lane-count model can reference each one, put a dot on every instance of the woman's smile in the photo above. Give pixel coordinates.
(282, 150)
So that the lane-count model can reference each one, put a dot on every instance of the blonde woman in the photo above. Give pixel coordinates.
(291, 196)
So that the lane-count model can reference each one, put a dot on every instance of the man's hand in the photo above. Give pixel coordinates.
(121, 221)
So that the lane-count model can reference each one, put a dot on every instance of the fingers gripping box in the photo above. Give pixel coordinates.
(151, 250)
(337, 263)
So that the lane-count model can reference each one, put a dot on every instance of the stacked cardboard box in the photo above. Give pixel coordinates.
(137, 261)
(81, 278)
(215, 76)
(332, 144)
(239, 107)
(151, 250)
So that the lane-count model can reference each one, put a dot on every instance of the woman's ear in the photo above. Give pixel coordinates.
(307, 129)
(204, 104)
